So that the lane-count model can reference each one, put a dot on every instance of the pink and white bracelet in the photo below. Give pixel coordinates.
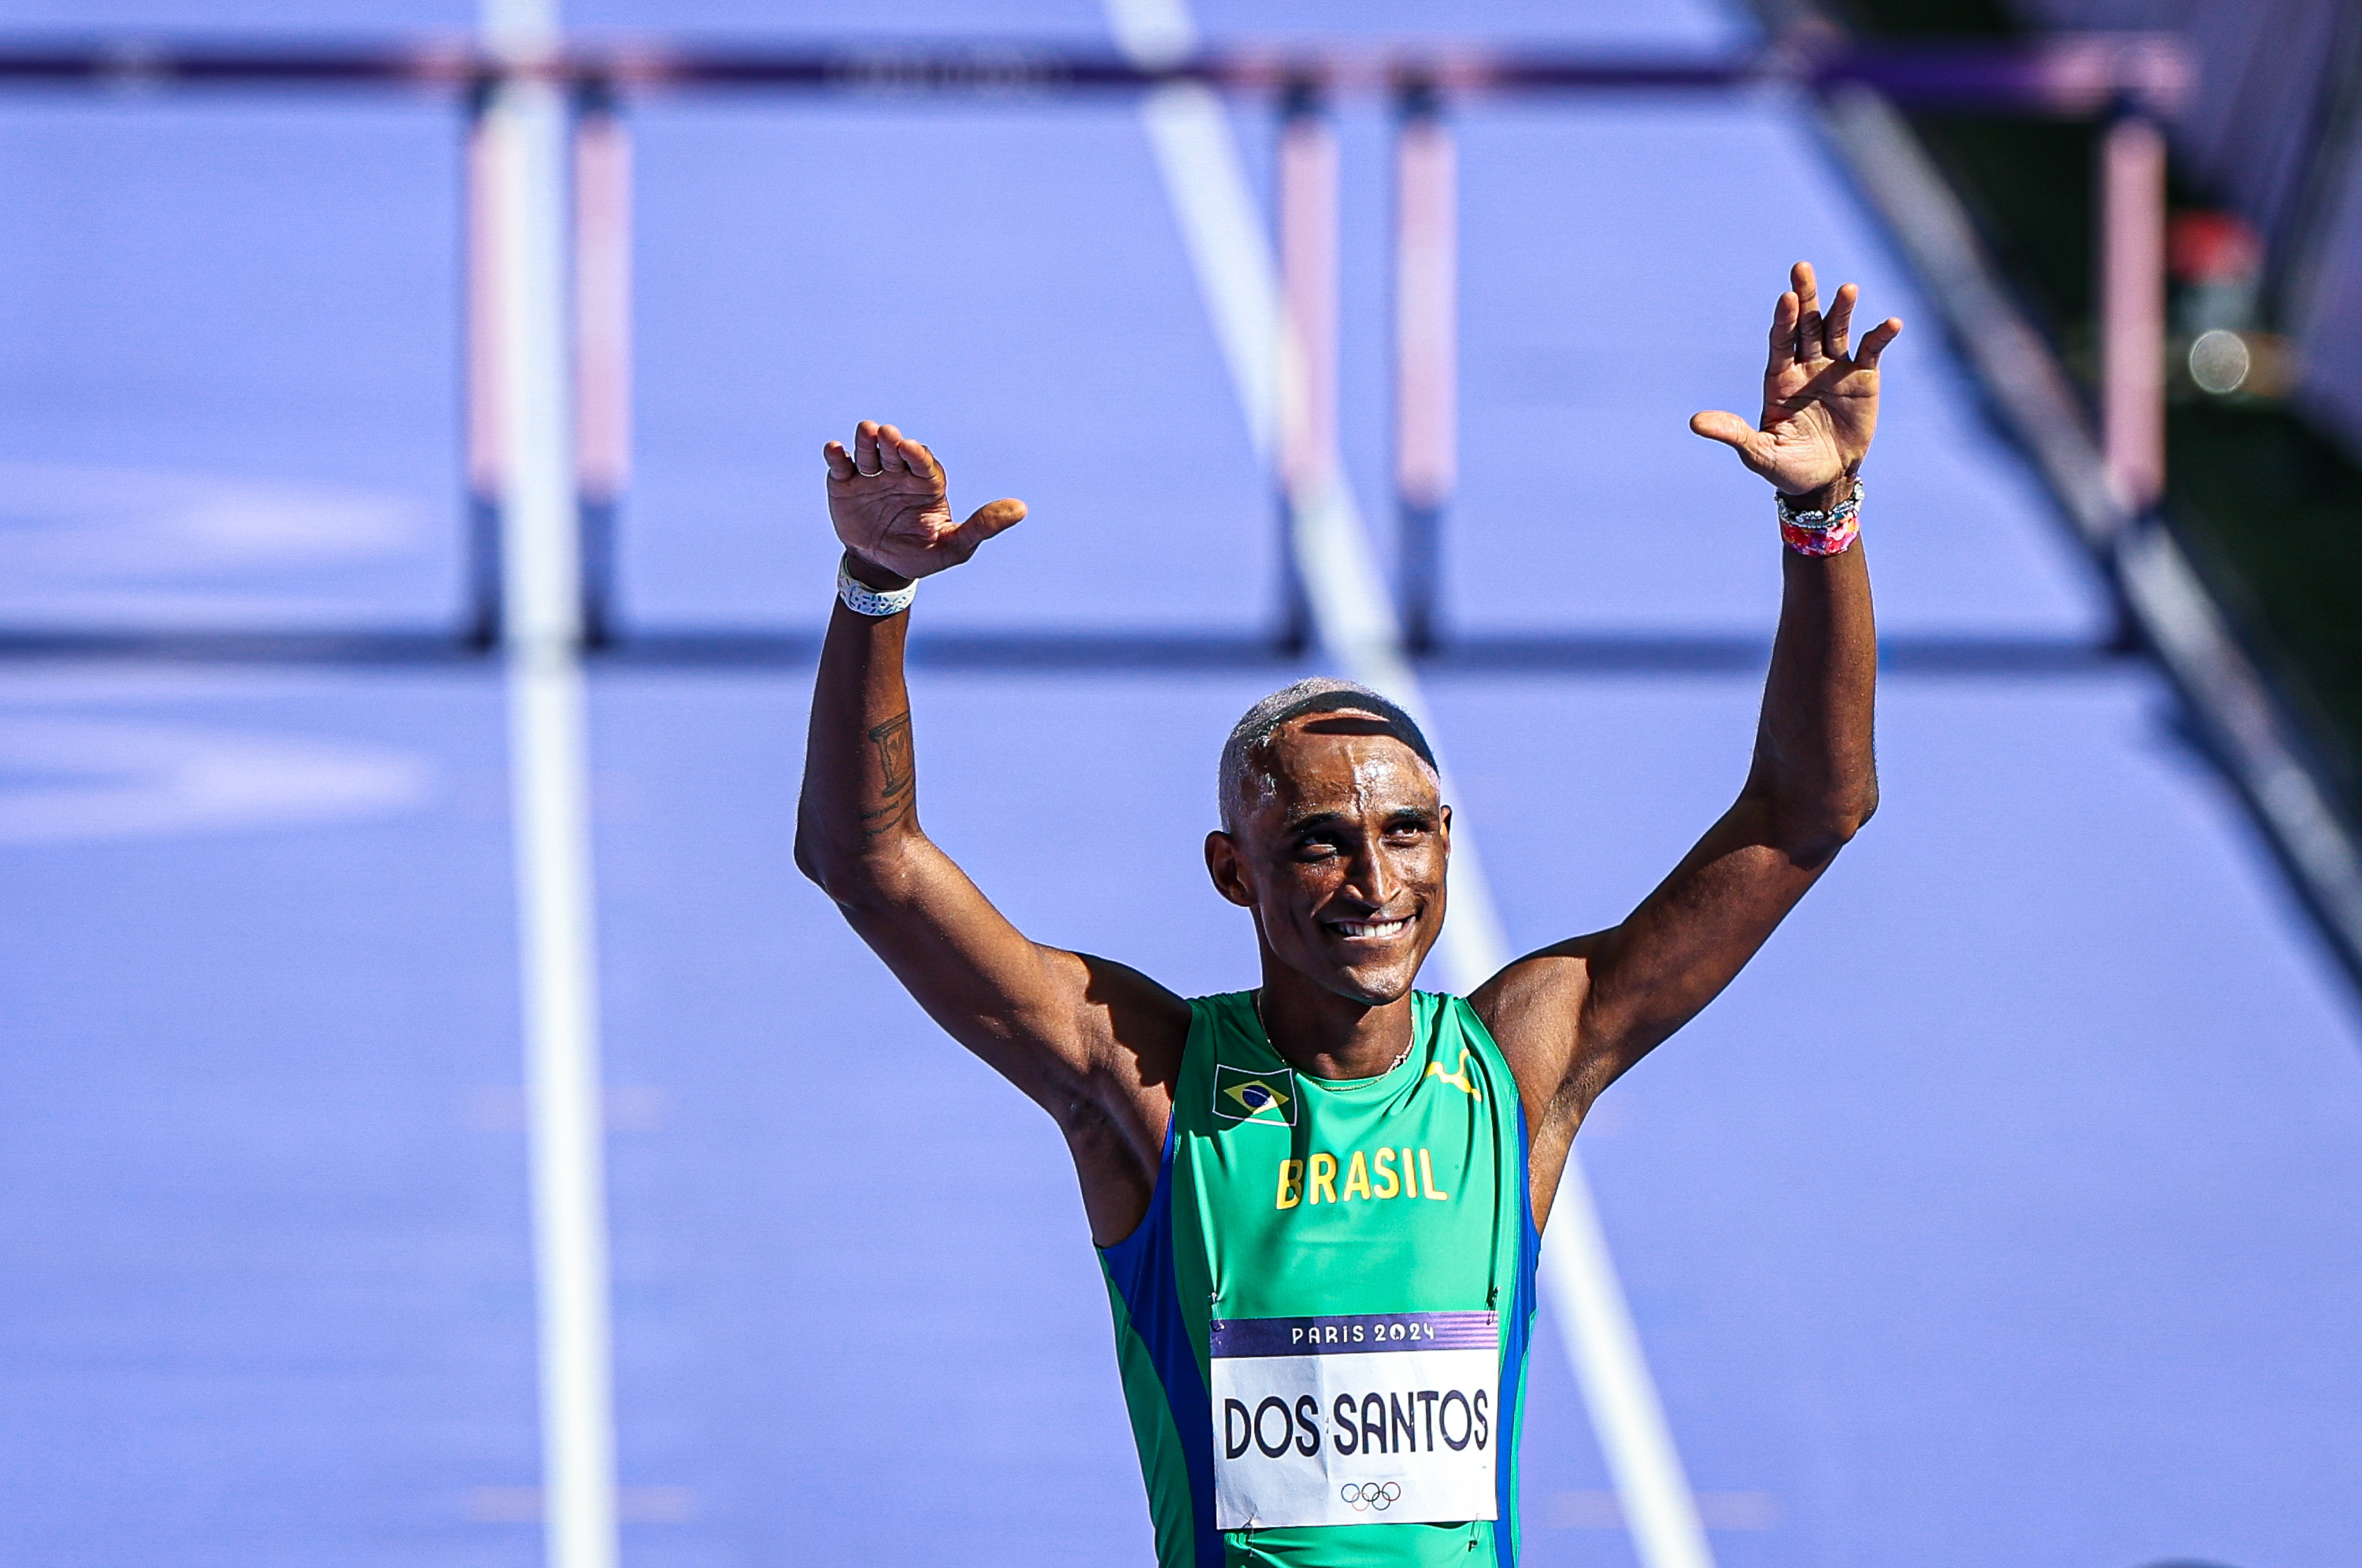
(1829, 533)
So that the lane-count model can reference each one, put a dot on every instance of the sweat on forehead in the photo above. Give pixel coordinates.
(1321, 694)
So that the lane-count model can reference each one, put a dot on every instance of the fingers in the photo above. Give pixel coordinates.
(839, 462)
(1783, 333)
(880, 449)
(1838, 324)
(898, 454)
(1728, 428)
(1808, 311)
(991, 518)
(1874, 342)
(920, 460)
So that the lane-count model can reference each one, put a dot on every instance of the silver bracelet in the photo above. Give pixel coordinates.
(1819, 522)
(862, 600)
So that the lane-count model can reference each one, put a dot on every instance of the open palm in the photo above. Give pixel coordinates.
(890, 506)
(1820, 403)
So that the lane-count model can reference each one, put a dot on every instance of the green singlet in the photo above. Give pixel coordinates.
(1322, 1321)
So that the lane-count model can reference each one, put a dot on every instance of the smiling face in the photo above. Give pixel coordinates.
(1340, 849)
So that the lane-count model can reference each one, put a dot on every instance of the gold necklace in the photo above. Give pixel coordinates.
(1255, 997)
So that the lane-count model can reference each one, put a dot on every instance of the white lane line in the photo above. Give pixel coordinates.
(1595, 1322)
(525, 137)
(1225, 238)
(1205, 180)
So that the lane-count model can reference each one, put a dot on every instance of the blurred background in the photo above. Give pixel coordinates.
(393, 787)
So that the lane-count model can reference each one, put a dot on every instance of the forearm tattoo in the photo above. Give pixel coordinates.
(896, 795)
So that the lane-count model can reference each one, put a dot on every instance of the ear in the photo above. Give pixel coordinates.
(1228, 868)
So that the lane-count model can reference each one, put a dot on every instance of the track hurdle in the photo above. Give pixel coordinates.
(2134, 78)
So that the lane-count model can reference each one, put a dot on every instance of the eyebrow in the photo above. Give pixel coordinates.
(1324, 819)
(1312, 820)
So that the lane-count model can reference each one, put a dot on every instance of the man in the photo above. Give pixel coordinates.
(1317, 1203)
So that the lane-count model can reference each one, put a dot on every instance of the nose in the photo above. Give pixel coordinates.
(1375, 880)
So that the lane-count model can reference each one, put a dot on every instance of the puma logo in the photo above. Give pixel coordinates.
(1458, 1081)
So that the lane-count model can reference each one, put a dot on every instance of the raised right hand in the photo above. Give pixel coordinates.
(888, 503)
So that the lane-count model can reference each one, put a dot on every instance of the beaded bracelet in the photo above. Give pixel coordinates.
(1829, 533)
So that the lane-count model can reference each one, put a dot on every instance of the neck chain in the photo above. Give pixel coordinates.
(1255, 996)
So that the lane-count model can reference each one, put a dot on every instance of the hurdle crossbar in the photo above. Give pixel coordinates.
(2132, 78)
(2075, 75)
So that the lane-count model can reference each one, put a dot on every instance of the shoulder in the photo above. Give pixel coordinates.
(1225, 1026)
(1133, 1018)
(1453, 1022)
(1222, 1007)
(1543, 991)
(1534, 1010)
(1445, 1011)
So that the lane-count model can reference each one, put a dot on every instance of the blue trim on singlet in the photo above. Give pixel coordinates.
(1141, 1267)
(1513, 1359)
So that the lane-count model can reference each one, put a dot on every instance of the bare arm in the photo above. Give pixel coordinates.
(1573, 1017)
(1093, 1042)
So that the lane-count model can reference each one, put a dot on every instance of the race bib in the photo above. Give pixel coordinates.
(1384, 1418)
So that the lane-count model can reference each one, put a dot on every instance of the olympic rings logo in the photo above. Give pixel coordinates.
(1367, 1495)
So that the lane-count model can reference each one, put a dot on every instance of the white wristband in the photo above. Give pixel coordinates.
(862, 600)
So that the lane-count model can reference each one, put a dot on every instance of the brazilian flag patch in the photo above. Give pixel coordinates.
(1242, 1096)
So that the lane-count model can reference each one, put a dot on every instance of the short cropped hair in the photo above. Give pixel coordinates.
(1320, 694)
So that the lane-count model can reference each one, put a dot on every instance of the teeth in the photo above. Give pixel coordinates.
(1371, 927)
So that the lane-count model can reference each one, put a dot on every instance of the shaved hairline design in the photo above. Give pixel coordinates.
(1319, 694)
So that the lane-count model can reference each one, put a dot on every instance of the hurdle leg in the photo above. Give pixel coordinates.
(481, 392)
(2132, 309)
(1307, 346)
(602, 344)
(1426, 352)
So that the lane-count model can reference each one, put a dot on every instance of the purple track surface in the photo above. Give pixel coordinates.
(2008, 1211)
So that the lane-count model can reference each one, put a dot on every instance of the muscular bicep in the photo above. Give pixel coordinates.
(1690, 936)
(1576, 1016)
(1061, 1026)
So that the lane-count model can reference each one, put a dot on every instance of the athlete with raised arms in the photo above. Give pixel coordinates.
(1317, 1203)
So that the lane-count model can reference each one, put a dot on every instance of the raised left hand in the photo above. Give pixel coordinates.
(1820, 403)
